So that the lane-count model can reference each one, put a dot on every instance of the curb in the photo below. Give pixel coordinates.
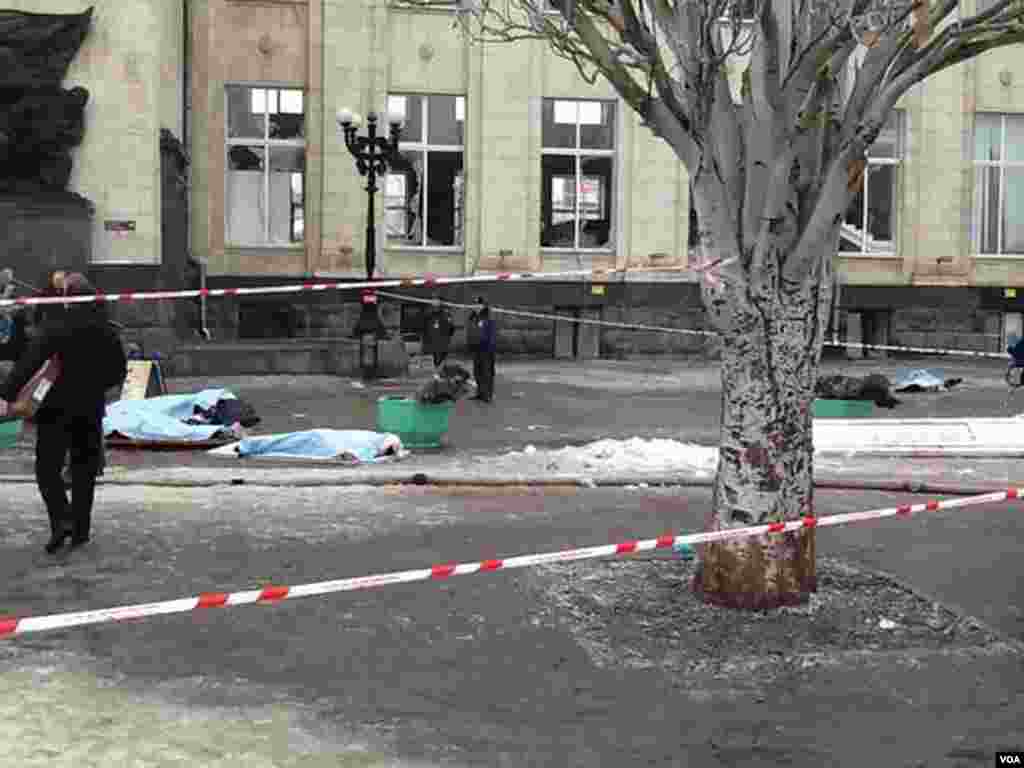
(449, 481)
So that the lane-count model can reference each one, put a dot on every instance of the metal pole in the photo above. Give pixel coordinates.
(371, 189)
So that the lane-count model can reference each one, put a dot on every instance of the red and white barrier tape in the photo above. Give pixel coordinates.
(681, 331)
(9, 627)
(550, 316)
(404, 282)
(429, 280)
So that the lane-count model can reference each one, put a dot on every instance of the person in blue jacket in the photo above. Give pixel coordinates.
(1016, 351)
(484, 344)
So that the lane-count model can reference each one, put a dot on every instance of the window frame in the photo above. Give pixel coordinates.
(266, 143)
(423, 147)
(1002, 164)
(578, 153)
(896, 162)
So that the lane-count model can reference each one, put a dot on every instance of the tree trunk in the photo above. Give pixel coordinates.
(770, 357)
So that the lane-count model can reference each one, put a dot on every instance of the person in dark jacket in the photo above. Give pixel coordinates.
(54, 287)
(483, 344)
(437, 334)
(1015, 350)
(70, 418)
(13, 323)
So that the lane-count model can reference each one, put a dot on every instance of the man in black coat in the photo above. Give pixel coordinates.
(70, 417)
(483, 343)
(437, 334)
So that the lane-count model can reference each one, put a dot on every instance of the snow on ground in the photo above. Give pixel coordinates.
(617, 457)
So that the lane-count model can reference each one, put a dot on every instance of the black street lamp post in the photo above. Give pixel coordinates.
(373, 154)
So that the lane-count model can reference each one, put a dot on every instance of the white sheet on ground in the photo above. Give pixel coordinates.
(926, 380)
(322, 444)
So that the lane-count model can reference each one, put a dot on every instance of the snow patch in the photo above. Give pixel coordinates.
(609, 457)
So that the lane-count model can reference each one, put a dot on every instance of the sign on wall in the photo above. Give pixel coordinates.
(119, 229)
(142, 381)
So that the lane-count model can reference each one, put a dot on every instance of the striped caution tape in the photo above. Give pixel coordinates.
(10, 627)
(681, 331)
(432, 281)
(402, 282)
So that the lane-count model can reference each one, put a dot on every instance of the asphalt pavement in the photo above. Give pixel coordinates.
(551, 404)
(484, 670)
(478, 670)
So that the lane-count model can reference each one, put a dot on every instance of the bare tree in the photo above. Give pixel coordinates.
(774, 157)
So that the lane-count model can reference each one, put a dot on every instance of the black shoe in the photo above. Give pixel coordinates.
(57, 540)
(79, 541)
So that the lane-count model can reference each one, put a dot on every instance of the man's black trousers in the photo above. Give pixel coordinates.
(483, 372)
(82, 438)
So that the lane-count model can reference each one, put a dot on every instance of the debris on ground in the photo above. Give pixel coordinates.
(226, 411)
(608, 457)
(874, 387)
(641, 613)
(449, 384)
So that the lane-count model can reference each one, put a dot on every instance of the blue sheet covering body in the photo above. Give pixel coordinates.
(321, 444)
(163, 418)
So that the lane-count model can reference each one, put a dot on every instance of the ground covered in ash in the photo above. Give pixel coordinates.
(640, 613)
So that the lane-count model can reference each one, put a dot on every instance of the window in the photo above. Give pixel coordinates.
(870, 222)
(740, 10)
(997, 226)
(424, 190)
(577, 173)
(266, 166)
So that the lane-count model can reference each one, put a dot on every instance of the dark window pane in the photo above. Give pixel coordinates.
(444, 198)
(288, 120)
(559, 124)
(446, 118)
(851, 234)
(597, 124)
(596, 195)
(881, 188)
(246, 112)
(558, 201)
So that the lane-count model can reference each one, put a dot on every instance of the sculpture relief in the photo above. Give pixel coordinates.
(40, 120)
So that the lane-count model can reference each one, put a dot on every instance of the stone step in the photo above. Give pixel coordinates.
(338, 356)
(921, 437)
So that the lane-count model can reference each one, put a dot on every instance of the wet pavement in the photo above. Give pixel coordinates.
(550, 404)
(485, 670)
(488, 670)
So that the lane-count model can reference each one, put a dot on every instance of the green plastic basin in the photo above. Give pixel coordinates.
(843, 409)
(418, 426)
(10, 430)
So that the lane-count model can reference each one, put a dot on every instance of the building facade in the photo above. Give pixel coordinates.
(509, 161)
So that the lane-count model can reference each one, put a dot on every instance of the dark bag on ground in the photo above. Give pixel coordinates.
(451, 383)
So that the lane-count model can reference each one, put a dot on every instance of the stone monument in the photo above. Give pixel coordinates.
(43, 225)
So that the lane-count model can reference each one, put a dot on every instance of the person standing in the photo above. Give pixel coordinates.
(13, 333)
(437, 334)
(70, 418)
(484, 346)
